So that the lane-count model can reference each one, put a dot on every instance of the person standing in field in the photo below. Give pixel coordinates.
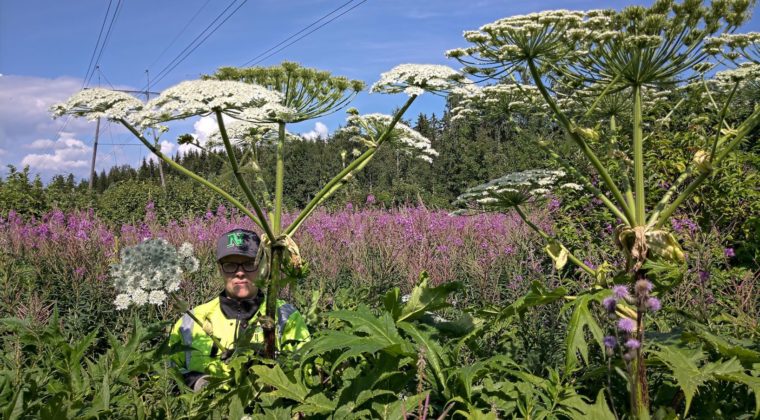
(230, 315)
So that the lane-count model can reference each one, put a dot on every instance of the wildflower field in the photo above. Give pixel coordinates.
(577, 238)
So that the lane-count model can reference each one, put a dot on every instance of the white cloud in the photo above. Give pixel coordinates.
(167, 148)
(68, 153)
(319, 132)
(41, 144)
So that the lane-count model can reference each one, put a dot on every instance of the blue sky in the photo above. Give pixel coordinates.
(46, 45)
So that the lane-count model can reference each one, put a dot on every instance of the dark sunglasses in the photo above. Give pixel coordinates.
(231, 267)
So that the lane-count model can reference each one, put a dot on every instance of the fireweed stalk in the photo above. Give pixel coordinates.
(627, 57)
(278, 95)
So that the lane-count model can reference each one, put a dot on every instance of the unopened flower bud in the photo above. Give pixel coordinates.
(702, 161)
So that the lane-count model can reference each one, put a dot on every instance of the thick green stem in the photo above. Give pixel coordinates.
(570, 129)
(329, 188)
(239, 176)
(638, 157)
(279, 179)
(191, 174)
(585, 181)
(640, 384)
(570, 256)
(269, 327)
(627, 183)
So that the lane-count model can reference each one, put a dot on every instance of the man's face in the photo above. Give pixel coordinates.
(240, 283)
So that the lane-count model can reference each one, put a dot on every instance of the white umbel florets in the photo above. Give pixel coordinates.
(415, 79)
(149, 271)
(99, 103)
(513, 189)
(367, 129)
(202, 97)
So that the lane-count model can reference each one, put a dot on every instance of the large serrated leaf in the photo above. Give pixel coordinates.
(538, 295)
(382, 328)
(316, 404)
(284, 388)
(435, 355)
(424, 299)
(684, 368)
(580, 320)
(397, 409)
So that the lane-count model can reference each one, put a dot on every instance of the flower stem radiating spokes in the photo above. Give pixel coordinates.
(239, 177)
(568, 126)
(357, 164)
(190, 173)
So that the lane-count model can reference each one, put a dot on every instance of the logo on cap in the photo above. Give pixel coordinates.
(235, 239)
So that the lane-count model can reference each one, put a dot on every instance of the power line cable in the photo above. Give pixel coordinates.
(100, 73)
(185, 53)
(97, 43)
(299, 32)
(308, 33)
(108, 35)
(182, 31)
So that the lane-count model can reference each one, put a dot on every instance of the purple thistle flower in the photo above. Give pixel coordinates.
(609, 303)
(620, 291)
(654, 304)
(610, 342)
(626, 325)
(633, 343)
(729, 252)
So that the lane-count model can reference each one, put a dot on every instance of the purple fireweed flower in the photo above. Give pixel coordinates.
(653, 304)
(704, 276)
(554, 204)
(729, 252)
(610, 342)
(626, 325)
(620, 291)
(633, 343)
(609, 303)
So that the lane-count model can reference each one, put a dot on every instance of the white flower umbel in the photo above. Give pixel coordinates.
(149, 271)
(99, 103)
(366, 129)
(202, 97)
(249, 133)
(512, 189)
(415, 79)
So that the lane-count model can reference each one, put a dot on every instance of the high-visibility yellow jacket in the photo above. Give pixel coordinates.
(227, 318)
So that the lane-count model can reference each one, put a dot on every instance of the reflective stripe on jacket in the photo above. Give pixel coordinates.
(202, 355)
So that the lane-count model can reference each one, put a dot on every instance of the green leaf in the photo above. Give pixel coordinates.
(724, 347)
(683, 366)
(424, 299)
(435, 355)
(397, 409)
(316, 404)
(751, 381)
(392, 302)
(382, 328)
(284, 388)
(575, 342)
(538, 295)
(597, 411)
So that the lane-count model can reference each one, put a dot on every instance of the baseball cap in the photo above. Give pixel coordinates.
(237, 242)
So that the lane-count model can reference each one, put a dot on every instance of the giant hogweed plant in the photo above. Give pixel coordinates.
(268, 98)
(592, 71)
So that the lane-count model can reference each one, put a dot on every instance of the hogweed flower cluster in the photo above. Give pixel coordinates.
(367, 129)
(514, 189)
(415, 79)
(149, 271)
